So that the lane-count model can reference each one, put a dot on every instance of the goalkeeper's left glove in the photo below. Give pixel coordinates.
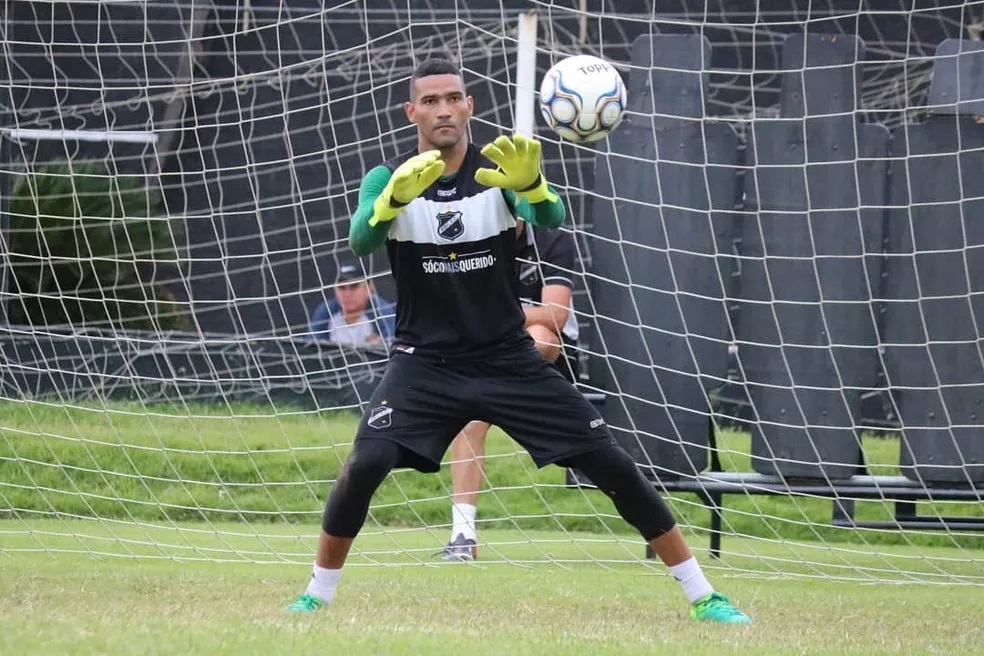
(518, 159)
(408, 181)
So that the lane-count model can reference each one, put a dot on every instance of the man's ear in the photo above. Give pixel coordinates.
(408, 110)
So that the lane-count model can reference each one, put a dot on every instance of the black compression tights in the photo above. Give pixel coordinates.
(636, 499)
(610, 468)
(364, 471)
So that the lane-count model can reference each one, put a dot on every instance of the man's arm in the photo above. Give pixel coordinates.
(554, 308)
(320, 324)
(545, 214)
(363, 237)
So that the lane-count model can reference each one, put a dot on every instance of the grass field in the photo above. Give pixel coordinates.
(83, 604)
(186, 530)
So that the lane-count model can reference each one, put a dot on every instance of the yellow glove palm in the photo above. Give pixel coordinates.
(518, 159)
(408, 181)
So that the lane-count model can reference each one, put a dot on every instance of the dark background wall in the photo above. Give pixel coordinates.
(287, 103)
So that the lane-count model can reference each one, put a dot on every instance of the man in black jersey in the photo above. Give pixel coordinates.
(448, 214)
(544, 265)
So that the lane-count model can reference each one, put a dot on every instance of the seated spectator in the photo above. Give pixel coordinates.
(356, 314)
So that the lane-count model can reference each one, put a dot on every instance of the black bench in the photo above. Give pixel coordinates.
(711, 487)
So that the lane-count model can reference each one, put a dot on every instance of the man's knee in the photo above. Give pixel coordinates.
(547, 342)
(366, 467)
(364, 470)
(470, 442)
(610, 466)
(369, 462)
(612, 469)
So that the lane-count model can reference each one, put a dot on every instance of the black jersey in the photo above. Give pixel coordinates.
(546, 257)
(452, 253)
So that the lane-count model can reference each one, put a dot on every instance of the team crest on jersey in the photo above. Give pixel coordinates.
(529, 274)
(449, 225)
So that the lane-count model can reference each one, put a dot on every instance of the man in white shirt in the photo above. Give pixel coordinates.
(355, 315)
(545, 263)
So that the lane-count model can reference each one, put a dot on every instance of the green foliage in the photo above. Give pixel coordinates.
(87, 248)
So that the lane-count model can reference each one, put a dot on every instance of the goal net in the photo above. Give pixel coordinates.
(778, 285)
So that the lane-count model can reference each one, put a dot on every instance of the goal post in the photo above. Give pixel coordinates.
(526, 84)
(5, 190)
(777, 280)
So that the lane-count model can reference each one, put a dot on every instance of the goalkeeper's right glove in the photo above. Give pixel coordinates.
(408, 181)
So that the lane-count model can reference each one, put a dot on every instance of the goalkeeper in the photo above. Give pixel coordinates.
(447, 215)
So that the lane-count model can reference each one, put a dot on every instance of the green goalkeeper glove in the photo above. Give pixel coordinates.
(408, 181)
(518, 159)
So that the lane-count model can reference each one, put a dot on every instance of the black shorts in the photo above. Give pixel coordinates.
(422, 403)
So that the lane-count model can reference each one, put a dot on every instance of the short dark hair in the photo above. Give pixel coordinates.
(433, 66)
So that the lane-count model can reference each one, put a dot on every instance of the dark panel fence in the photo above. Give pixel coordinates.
(662, 217)
(806, 330)
(934, 353)
(860, 262)
(186, 368)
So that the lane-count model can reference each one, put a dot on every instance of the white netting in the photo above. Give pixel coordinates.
(177, 178)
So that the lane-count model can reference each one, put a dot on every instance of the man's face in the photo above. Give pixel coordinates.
(353, 296)
(440, 109)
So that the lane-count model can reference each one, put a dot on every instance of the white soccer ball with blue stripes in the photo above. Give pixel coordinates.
(582, 98)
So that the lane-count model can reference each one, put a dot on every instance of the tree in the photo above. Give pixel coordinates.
(88, 248)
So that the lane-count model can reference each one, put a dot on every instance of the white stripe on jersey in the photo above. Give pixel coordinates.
(553, 280)
(483, 215)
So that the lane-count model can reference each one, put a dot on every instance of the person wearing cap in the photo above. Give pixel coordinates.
(356, 314)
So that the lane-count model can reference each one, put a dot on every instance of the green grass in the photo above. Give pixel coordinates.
(87, 604)
(185, 530)
(246, 463)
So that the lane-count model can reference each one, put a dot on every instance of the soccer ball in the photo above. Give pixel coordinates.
(582, 98)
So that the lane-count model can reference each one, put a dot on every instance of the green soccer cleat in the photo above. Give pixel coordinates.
(306, 604)
(715, 607)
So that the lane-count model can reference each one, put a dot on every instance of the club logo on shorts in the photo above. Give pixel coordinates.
(449, 225)
(380, 417)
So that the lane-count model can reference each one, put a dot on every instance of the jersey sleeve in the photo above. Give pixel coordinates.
(557, 255)
(364, 238)
(547, 214)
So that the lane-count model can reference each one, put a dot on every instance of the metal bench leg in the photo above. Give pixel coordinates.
(713, 502)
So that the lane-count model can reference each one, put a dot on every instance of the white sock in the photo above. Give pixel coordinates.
(463, 521)
(323, 583)
(691, 578)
